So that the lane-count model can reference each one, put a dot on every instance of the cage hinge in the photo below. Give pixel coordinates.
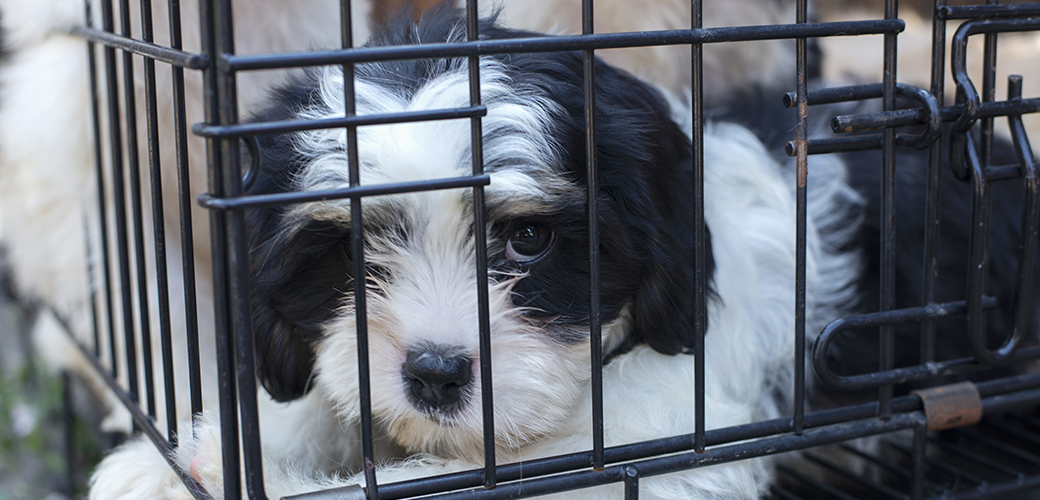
(949, 406)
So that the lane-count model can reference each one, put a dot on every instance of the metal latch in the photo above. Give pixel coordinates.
(949, 406)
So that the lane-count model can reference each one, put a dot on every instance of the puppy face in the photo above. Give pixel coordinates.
(419, 248)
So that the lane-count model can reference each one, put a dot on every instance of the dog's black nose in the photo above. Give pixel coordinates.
(437, 376)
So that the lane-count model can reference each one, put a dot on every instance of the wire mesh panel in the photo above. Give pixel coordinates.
(174, 333)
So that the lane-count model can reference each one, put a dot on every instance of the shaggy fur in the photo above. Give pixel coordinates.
(421, 287)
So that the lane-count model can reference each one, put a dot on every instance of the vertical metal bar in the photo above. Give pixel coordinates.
(159, 227)
(631, 480)
(357, 242)
(979, 276)
(802, 165)
(241, 322)
(989, 92)
(208, 17)
(480, 246)
(1030, 215)
(191, 322)
(136, 215)
(934, 194)
(595, 330)
(700, 279)
(99, 169)
(237, 267)
(886, 346)
(978, 256)
(918, 456)
(119, 202)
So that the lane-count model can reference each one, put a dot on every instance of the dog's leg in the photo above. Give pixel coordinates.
(134, 471)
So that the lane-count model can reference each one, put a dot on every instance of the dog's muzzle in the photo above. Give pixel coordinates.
(437, 377)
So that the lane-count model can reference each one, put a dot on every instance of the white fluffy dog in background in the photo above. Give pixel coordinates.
(48, 194)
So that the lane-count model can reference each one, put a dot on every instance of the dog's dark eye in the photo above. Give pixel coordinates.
(528, 243)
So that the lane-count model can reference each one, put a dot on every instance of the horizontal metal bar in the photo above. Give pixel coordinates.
(1008, 385)
(636, 451)
(954, 471)
(534, 486)
(990, 490)
(1000, 446)
(677, 444)
(663, 465)
(283, 126)
(836, 145)
(264, 200)
(889, 467)
(970, 455)
(905, 374)
(175, 57)
(917, 116)
(919, 372)
(1002, 402)
(1003, 172)
(832, 95)
(816, 484)
(559, 44)
(987, 11)
(874, 141)
(879, 490)
(844, 124)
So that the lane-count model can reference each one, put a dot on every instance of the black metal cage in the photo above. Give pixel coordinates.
(989, 460)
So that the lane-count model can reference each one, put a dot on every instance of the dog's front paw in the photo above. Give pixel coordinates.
(134, 471)
(200, 455)
(138, 470)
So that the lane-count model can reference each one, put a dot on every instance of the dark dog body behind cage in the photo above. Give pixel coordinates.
(402, 247)
(856, 352)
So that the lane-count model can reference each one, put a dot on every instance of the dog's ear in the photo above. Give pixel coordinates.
(282, 350)
(297, 278)
(296, 266)
(648, 170)
(664, 306)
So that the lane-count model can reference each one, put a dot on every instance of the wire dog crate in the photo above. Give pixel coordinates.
(994, 458)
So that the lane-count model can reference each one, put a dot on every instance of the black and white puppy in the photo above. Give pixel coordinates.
(422, 285)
